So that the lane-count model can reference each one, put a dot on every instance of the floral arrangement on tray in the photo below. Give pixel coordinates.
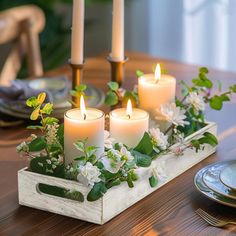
(119, 162)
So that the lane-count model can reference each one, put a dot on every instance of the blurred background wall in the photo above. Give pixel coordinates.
(201, 32)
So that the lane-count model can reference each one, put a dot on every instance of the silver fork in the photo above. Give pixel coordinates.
(211, 220)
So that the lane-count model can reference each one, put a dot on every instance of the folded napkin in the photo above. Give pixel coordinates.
(20, 91)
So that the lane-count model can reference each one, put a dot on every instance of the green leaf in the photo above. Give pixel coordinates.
(216, 102)
(41, 98)
(145, 145)
(211, 136)
(35, 114)
(90, 150)
(98, 190)
(153, 181)
(205, 140)
(81, 87)
(224, 98)
(108, 175)
(195, 143)
(32, 102)
(73, 93)
(202, 82)
(130, 180)
(203, 70)
(142, 159)
(113, 183)
(129, 95)
(80, 145)
(114, 86)
(50, 120)
(38, 165)
(111, 98)
(81, 160)
(37, 144)
(139, 73)
(34, 127)
(92, 159)
(134, 176)
(233, 88)
(47, 109)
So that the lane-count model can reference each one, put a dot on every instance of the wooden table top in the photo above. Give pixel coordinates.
(168, 211)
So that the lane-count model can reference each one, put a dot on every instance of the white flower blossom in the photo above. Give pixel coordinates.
(49, 162)
(108, 140)
(60, 159)
(174, 114)
(113, 159)
(22, 148)
(158, 171)
(178, 151)
(89, 174)
(51, 135)
(126, 154)
(159, 139)
(196, 101)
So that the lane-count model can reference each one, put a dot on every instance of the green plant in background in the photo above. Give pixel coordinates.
(56, 35)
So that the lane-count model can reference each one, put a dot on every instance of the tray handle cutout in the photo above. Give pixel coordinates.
(59, 192)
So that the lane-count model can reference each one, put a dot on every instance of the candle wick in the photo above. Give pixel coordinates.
(128, 117)
(85, 116)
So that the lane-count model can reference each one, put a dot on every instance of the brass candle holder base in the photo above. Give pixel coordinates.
(77, 77)
(77, 74)
(117, 70)
(96, 96)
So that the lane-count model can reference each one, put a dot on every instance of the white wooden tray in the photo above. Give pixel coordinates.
(118, 198)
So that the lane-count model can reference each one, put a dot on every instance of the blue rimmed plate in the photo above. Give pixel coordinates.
(228, 176)
(202, 188)
(211, 179)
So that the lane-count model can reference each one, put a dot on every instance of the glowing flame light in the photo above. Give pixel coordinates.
(129, 109)
(82, 107)
(157, 73)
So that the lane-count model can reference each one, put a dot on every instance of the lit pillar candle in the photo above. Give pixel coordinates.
(128, 125)
(117, 53)
(77, 37)
(81, 124)
(155, 90)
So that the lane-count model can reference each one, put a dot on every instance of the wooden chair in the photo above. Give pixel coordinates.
(21, 26)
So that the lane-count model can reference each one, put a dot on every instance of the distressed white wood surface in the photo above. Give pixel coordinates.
(118, 198)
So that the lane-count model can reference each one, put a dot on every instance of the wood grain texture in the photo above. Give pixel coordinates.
(168, 211)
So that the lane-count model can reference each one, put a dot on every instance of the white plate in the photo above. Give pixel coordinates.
(202, 188)
(228, 176)
(211, 179)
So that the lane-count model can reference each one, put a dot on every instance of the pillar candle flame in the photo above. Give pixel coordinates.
(129, 109)
(157, 73)
(82, 107)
